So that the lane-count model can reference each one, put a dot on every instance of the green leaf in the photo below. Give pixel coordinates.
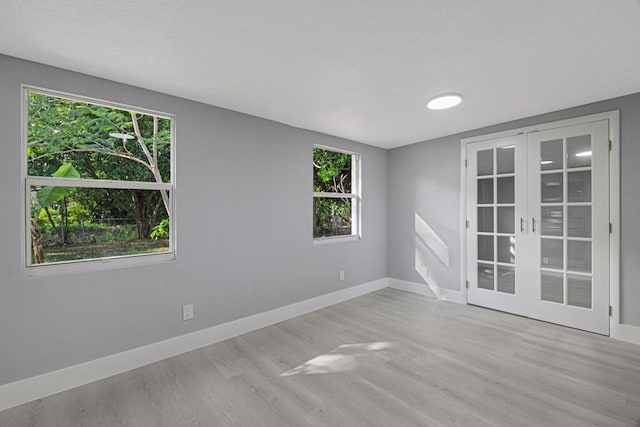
(66, 171)
(50, 195)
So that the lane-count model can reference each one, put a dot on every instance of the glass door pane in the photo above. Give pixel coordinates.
(485, 162)
(507, 279)
(506, 159)
(579, 218)
(552, 288)
(579, 291)
(485, 276)
(552, 221)
(551, 155)
(579, 151)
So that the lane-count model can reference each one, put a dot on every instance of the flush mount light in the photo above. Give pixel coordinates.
(583, 154)
(546, 162)
(442, 102)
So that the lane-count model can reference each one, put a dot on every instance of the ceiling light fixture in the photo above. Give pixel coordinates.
(583, 154)
(442, 102)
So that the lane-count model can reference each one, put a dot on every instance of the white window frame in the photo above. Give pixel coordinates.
(92, 264)
(355, 196)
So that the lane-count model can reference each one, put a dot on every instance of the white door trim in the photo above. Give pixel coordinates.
(614, 200)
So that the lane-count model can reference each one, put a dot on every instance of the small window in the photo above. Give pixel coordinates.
(336, 193)
(98, 181)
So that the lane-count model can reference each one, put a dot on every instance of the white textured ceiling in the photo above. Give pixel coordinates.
(358, 69)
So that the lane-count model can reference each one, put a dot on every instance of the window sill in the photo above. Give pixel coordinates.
(101, 264)
(335, 239)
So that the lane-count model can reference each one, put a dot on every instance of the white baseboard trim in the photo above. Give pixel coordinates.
(413, 287)
(426, 290)
(629, 333)
(27, 390)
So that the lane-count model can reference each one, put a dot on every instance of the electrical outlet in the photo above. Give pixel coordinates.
(187, 312)
(341, 276)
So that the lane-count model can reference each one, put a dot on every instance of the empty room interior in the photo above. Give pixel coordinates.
(308, 213)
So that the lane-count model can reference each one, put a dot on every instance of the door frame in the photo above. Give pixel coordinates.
(613, 118)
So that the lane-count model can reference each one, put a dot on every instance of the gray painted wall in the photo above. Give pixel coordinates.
(424, 179)
(232, 262)
(244, 223)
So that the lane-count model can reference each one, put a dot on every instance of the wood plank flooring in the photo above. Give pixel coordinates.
(385, 359)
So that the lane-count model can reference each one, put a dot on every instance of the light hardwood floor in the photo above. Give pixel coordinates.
(385, 359)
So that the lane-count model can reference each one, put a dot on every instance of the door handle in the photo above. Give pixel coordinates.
(533, 225)
(521, 225)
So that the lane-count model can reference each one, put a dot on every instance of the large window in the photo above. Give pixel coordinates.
(336, 193)
(98, 180)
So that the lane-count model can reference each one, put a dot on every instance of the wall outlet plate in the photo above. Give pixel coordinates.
(341, 276)
(187, 312)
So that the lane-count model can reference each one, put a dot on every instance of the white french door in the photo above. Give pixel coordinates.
(496, 197)
(538, 225)
(569, 211)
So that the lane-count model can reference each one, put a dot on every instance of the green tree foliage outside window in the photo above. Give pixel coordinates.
(73, 139)
(332, 173)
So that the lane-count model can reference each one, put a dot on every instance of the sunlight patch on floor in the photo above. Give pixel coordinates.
(345, 357)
